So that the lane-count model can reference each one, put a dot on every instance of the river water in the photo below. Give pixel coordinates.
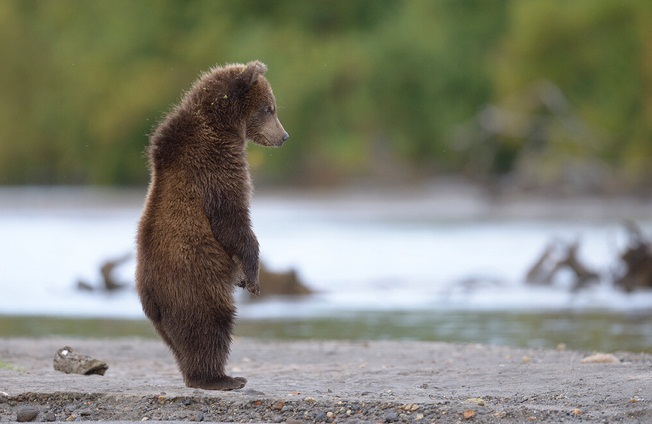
(443, 262)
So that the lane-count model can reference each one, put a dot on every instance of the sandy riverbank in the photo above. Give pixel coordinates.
(330, 381)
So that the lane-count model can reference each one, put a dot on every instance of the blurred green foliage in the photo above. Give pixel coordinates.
(377, 88)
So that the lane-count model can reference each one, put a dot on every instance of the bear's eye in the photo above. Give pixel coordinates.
(269, 109)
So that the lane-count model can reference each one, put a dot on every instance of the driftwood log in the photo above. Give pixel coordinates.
(634, 270)
(272, 283)
(280, 284)
(109, 282)
(636, 261)
(556, 257)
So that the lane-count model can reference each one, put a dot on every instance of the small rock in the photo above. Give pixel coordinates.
(410, 407)
(68, 361)
(468, 414)
(601, 358)
(390, 417)
(27, 414)
(477, 401)
(49, 417)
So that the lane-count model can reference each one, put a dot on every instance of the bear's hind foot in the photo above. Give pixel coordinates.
(222, 383)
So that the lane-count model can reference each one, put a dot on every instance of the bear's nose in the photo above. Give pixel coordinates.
(285, 136)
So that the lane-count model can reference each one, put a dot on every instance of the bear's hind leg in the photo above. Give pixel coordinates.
(204, 351)
(153, 312)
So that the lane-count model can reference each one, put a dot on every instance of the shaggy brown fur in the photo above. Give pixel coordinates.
(195, 242)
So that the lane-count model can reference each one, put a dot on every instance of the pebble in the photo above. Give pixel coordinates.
(468, 414)
(27, 414)
(601, 358)
(390, 417)
(49, 417)
(410, 407)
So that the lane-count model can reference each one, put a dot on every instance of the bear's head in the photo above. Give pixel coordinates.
(262, 125)
(238, 99)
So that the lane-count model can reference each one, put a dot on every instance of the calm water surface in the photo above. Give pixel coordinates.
(442, 263)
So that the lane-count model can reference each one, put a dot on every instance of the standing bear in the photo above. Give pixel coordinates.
(195, 242)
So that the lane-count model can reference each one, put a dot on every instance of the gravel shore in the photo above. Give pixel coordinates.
(329, 381)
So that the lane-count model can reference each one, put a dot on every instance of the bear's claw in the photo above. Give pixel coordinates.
(253, 288)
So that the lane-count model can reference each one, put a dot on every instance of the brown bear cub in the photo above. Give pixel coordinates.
(195, 242)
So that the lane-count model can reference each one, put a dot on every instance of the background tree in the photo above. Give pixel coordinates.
(366, 89)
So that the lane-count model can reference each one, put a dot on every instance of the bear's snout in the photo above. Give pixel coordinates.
(286, 135)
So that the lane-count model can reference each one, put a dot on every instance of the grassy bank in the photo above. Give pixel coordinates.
(599, 331)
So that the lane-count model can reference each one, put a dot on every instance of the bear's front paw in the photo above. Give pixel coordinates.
(238, 273)
(253, 287)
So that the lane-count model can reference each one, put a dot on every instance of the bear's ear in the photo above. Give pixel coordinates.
(252, 71)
